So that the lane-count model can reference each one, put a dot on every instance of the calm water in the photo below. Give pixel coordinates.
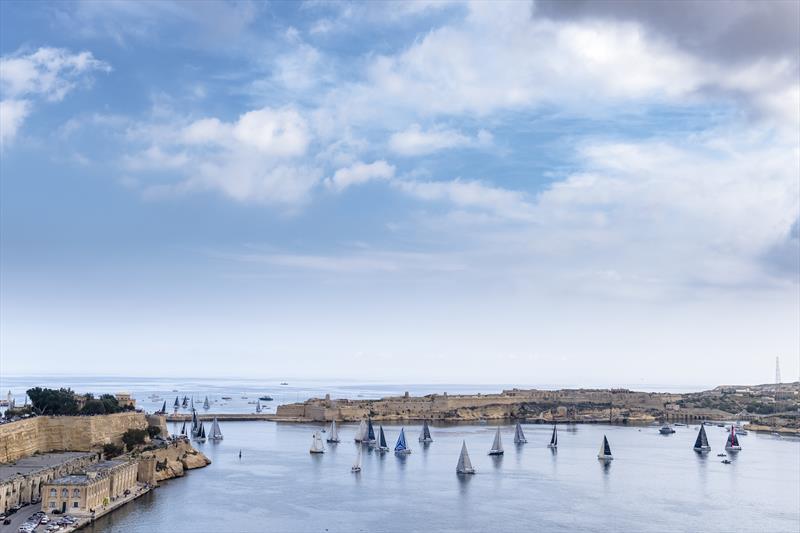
(656, 483)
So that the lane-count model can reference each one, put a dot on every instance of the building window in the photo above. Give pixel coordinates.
(64, 493)
(76, 493)
(52, 505)
(53, 492)
(75, 504)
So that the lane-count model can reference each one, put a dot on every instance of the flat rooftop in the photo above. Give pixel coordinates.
(29, 465)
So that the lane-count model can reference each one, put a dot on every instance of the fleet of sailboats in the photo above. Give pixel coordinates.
(553, 439)
(701, 444)
(605, 451)
(519, 436)
(401, 448)
(425, 434)
(333, 434)
(464, 465)
(497, 445)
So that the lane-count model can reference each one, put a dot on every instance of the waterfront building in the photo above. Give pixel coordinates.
(124, 399)
(99, 485)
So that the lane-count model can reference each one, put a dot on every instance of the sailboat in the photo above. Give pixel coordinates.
(191, 403)
(164, 407)
(464, 465)
(370, 432)
(401, 448)
(361, 432)
(185, 402)
(497, 445)
(425, 435)
(201, 435)
(216, 434)
(519, 436)
(701, 444)
(732, 442)
(333, 434)
(195, 424)
(382, 446)
(605, 451)
(316, 444)
(356, 468)
(206, 405)
(553, 439)
(176, 405)
(258, 406)
(183, 429)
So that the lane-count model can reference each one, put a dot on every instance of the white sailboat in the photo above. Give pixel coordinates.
(497, 445)
(553, 439)
(333, 434)
(316, 444)
(401, 448)
(464, 465)
(361, 432)
(357, 465)
(216, 433)
(605, 451)
(519, 436)
(425, 434)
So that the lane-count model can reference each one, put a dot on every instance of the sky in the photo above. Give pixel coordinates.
(550, 192)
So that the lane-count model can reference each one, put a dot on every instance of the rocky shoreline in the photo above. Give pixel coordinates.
(175, 459)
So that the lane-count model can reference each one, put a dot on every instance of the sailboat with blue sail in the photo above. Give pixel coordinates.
(370, 433)
(382, 445)
(401, 448)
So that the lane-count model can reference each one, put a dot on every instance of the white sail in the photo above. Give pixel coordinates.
(258, 406)
(333, 434)
(316, 444)
(361, 433)
(216, 433)
(519, 436)
(357, 463)
(497, 445)
(605, 450)
(464, 464)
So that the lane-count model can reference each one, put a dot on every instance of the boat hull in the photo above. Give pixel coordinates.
(332, 440)
(702, 449)
(426, 441)
(465, 471)
(316, 451)
(496, 452)
(733, 448)
(552, 446)
(521, 441)
(601, 457)
(402, 452)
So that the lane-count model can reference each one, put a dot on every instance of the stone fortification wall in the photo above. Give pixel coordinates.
(59, 433)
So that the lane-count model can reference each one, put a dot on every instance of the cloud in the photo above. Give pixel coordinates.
(47, 74)
(415, 141)
(359, 173)
(257, 158)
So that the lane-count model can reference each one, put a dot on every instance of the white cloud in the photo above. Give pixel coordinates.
(359, 173)
(46, 74)
(416, 141)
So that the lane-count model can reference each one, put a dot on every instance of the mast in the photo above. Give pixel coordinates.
(464, 465)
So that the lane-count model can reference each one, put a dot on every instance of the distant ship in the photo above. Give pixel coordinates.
(605, 451)
(519, 436)
(266, 398)
(666, 430)
(464, 465)
(497, 445)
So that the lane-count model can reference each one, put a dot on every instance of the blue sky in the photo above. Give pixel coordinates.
(554, 192)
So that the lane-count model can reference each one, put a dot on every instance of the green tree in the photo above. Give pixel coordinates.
(53, 401)
(111, 450)
(132, 437)
(153, 431)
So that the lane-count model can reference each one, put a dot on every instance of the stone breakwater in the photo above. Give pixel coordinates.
(43, 434)
(571, 405)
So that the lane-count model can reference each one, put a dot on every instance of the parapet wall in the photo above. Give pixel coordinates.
(61, 433)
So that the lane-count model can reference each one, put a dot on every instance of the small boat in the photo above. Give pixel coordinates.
(258, 407)
(333, 434)
(316, 444)
(425, 434)
(553, 439)
(370, 433)
(464, 465)
(201, 435)
(284, 383)
(401, 448)
(732, 442)
(497, 445)
(519, 436)
(666, 430)
(356, 468)
(605, 451)
(701, 443)
(721, 455)
(726, 461)
(361, 432)
(382, 446)
(216, 433)
(227, 398)
(176, 405)
(185, 402)
(265, 398)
